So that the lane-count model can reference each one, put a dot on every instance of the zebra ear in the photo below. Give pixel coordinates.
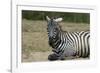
(47, 18)
(58, 19)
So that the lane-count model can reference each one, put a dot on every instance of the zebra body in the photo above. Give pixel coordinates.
(66, 44)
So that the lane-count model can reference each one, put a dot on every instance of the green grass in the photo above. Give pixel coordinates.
(35, 38)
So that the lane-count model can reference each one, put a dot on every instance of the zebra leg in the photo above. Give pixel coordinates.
(52, 57)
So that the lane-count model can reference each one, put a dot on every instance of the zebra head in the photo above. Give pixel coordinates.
(53, 27)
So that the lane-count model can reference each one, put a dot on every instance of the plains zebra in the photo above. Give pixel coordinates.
(66, 44)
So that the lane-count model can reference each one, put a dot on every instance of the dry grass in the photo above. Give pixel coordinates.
(35, 40)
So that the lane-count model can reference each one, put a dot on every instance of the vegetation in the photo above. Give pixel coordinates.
(69, 17)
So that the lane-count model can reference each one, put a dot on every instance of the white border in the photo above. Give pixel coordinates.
(17, 66)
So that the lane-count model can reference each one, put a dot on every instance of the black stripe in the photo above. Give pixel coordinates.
(58, 43)
(85, 52)
(76, 34)
(69, 37)
(81, 44)
(88, 45)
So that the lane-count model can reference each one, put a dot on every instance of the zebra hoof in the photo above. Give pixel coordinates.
(52, 57)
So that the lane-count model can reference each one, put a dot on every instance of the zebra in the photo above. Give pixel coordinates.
(66, 44)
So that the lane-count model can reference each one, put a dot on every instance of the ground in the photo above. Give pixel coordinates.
(35, 39)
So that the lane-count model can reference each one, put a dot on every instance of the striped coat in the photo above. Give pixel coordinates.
(66, 44)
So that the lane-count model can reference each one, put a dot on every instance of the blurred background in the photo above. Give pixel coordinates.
(69, 17)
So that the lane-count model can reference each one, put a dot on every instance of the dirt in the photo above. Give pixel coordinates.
(43, 56)
(36, 56)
